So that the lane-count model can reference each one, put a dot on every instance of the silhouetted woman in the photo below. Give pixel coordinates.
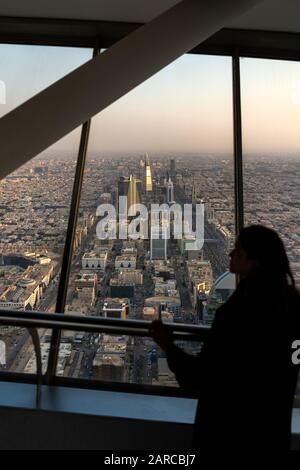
(244, 376)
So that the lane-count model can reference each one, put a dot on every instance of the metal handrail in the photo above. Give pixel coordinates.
(34, 320)
(97, 324)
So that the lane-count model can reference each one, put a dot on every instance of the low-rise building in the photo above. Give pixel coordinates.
(165, 303)
(110, 360)
(149, 313)
(116, 308)
(92, 260)
(127, 261)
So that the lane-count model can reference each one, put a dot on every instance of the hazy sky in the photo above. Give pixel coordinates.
(185, 107)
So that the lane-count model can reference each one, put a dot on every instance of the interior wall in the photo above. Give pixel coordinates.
(33, 429)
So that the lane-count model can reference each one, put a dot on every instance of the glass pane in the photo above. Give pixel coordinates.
(27, 70)
(168, 141)
(17, 352)
(116, 358)
(35, 203)
(271, 143)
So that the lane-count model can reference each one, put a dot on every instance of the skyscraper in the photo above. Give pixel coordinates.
(194, 193)
(158, 243)
(148, 175)
(172, 170)
(134, 191)
(130, 187)
(170, 191)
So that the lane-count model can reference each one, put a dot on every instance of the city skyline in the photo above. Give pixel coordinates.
(129, 279)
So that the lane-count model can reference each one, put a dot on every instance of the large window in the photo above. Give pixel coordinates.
(168, 142)
(35, 202)
(270, 92)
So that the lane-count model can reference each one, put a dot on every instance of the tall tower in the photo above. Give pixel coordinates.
(194, 193)
(158, 243)
(141, 167)
(130, 187)
(170, 191)
(148, 174)
(133, 194)
(173, 170)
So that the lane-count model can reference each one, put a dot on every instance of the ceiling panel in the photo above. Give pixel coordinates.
(271, 15)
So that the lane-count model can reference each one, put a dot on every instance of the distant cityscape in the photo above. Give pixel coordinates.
(131, 279)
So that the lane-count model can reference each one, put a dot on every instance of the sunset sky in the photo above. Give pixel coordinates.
(185, 107)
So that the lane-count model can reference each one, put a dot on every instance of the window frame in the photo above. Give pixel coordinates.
(96, 34)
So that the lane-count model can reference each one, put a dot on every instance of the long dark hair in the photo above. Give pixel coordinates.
(264, 245)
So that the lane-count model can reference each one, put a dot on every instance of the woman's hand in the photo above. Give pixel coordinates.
(160, 333)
